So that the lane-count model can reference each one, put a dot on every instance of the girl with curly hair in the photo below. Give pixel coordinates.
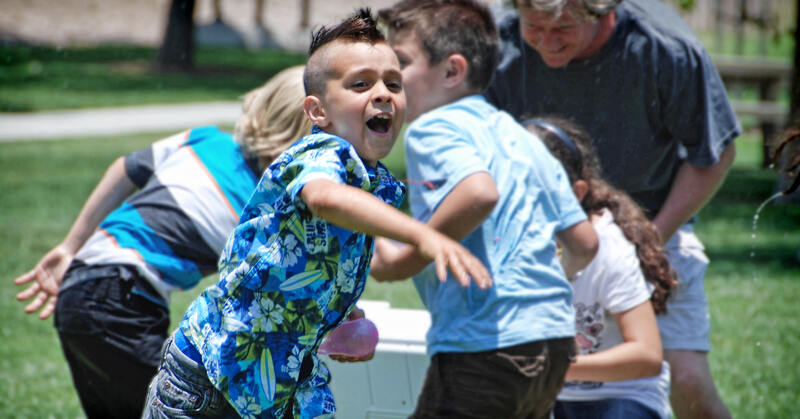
(619, 370)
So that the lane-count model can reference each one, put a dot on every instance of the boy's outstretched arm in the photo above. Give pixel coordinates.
(579, 245)
(358, 210)
(460, 213)
(109, 193)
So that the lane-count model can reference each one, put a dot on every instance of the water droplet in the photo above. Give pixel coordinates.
(758, 343)
(761, 207)
(752, 254)
(753, 236)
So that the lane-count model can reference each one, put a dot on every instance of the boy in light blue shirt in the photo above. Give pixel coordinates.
(479, 177)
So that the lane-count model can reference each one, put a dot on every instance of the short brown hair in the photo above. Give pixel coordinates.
(446, 27)
(361, 26)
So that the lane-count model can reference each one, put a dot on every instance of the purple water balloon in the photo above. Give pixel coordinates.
(356, 338)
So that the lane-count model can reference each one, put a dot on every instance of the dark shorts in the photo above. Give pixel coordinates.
(517, 382)
(111, 331)
(604, 409)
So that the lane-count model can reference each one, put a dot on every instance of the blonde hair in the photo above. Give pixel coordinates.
(273, 117)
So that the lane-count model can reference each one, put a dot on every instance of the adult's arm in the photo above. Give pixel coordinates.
(467, 205)
(692, 188)
(109, 193)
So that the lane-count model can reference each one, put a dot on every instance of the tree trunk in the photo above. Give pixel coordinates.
(177, 50)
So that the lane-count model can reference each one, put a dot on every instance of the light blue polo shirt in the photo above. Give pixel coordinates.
(531, 298)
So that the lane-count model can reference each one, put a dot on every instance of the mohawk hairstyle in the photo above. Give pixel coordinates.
(361, 26)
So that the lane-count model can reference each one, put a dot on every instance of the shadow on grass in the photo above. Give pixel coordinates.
(775, 257)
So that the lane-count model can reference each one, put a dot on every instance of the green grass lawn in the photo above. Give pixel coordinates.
(42, 78)
(753, 284)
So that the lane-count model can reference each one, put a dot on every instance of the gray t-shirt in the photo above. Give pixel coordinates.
(650, 98)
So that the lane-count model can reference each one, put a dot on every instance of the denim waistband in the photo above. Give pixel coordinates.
(188, 369)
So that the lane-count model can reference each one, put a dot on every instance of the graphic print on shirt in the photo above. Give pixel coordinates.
(316, 236)
(588, 331)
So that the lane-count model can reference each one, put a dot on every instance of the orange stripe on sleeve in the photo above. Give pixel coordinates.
(216, 185)
(114, 241)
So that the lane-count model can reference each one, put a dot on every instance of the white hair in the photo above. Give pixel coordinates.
(557, 7)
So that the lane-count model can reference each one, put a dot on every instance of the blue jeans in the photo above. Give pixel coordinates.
(181, 389)
(604, 409)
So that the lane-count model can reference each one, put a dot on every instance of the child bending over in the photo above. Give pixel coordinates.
(619, 371)
(296, 264)
(481, 178)
(109, 281)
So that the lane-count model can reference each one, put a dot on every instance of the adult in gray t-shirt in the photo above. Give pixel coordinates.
(641, 84)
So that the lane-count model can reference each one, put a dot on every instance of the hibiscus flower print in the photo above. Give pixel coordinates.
(305, 397)
(346, 276)
(266, 314)
(293, 361)
(247, 406)
(290, 250)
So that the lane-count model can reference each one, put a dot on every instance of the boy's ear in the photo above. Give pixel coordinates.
(315, 111)
(580, 188)
(455, 70)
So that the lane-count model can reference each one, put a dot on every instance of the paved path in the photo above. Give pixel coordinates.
(115, 121)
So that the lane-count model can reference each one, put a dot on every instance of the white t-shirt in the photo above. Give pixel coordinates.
(612, 283)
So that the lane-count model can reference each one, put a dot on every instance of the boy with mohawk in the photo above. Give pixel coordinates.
(500, 352)
(296, 264)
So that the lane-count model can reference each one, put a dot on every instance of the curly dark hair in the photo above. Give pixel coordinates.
(581, 163)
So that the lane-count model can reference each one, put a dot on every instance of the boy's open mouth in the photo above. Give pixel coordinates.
(380, 123)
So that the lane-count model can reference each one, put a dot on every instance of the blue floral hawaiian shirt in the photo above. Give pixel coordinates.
(287, 278)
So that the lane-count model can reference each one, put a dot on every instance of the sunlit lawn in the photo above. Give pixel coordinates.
(753, 284)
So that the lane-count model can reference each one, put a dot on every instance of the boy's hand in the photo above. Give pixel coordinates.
(47, 274)
(447, 253)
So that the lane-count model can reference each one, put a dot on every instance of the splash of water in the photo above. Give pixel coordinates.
(755, 219)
